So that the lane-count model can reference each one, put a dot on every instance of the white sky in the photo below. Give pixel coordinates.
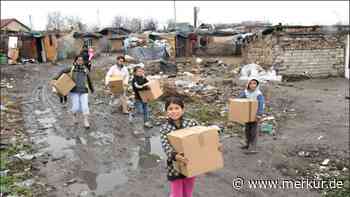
(291, 12)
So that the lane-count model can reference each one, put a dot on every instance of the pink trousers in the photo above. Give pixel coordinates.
(182, 187)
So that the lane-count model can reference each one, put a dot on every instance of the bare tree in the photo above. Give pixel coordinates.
(150, 24)
(93, 28)
(75, 22)
(170, 24)
(54, 21)
(135, 25)
(119, 21)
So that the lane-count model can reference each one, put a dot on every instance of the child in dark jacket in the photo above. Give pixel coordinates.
(252, 91)
(83, 85)
(139, 83)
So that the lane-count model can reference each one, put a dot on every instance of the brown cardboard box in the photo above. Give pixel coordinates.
(153, 93)
(242, 110)
(116, 84)
(200, 146)
(63, 85)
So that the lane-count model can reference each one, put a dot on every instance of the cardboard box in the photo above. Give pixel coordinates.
(116, 84)
(200, 146)
(242, 110)
(63, 85)
(153, 93)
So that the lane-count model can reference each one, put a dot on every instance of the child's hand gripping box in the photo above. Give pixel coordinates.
(115, 83)
(63, 85)
(152, 93)
(242, 110)
(200, 146)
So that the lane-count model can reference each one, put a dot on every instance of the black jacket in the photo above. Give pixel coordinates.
(136, 83)
(85, 55)
(80, 76)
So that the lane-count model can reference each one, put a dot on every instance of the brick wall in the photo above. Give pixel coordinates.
(314, 62)
(315, 54)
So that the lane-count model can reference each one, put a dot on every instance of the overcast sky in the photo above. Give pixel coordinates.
(292, 12)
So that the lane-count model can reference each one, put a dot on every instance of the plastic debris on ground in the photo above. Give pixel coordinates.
(255, 71)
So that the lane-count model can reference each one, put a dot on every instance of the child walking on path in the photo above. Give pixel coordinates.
(79, 94)
(252, 91)
(139, 83)
(121, 70)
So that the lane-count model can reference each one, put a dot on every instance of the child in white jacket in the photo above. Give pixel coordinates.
(121, 70)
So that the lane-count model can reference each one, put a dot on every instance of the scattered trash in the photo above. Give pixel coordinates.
(85, 194)
(304, 154)
(199, 60)
(24, 156)
(27, 183)
(319, 138)
(250, 71)
(325, 162)
(38, 112)
(322, 168)
(70, 182)
(4, 173)
(266, 128)
(98, 102)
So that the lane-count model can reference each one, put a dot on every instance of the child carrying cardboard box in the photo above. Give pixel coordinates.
(180, 185)
(253, 92)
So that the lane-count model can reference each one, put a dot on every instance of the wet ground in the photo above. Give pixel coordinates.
(109, 159)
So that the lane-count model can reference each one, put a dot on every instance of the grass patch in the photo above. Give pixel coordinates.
(206, 113)
(98, 74)
(17, 171)
(342, 191)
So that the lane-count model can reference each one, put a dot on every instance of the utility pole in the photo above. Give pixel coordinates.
(175, 13)
(30, 22)
(98, 18)
(195, 17)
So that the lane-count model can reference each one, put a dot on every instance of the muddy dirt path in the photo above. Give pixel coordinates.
(109, 160)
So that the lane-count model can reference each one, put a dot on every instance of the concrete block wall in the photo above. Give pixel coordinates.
(314, 62)
(317, 55)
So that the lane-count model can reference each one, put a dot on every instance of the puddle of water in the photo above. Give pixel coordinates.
(156, 147)
(148, 155)
(105, 182)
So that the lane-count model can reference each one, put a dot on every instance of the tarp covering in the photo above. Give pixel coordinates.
(141, 53)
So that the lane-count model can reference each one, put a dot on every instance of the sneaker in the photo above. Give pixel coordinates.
(244, 147)
(75, 119)
(86, 122)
